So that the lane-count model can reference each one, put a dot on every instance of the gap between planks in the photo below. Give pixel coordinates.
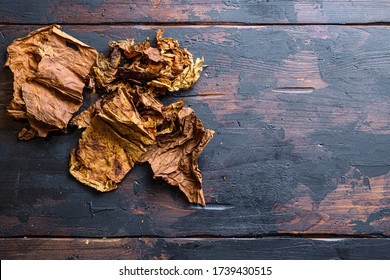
(297, 236)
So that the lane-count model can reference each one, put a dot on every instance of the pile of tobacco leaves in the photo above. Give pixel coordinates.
(128, 124)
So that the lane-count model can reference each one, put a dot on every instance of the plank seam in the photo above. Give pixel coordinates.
(296, 236)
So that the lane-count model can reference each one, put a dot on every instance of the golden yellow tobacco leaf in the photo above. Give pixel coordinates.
(180, 72)
(100, 160)
(49, 69)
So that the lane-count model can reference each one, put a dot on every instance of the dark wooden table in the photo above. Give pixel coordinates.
(298, 93)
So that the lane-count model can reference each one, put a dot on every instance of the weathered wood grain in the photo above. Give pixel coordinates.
(302, 142)
(194, 248)
(194, 11)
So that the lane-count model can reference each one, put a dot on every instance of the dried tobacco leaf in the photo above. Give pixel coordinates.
(128, 124)
(147, 105)
(113, 141)
(180, 72)
(165, 68)
(179, 143)
(84, 119)
(175, 136)
(100, 160)
(49, 69)
(107, 68)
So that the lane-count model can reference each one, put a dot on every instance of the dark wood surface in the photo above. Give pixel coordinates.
(301, 114)
(195, 248)
(195, 11)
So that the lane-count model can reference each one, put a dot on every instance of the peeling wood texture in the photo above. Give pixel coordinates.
(195, 11)
(302, 121)
(194, 248)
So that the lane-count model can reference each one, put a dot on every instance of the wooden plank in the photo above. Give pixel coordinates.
(302, 134)
(169, 11)
(194, 248)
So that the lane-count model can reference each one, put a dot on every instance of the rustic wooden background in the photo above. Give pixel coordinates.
(298, 93)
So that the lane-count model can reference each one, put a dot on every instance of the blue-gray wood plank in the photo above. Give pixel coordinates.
(195, 11)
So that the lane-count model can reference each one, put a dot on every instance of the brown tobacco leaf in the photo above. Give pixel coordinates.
(179, 143)
(148, 107)
(170, 138)
(113, 141)
(153, 54)
(49, 69)
(106, 68)
(84, 119)
(165, 68)
(128, 124)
